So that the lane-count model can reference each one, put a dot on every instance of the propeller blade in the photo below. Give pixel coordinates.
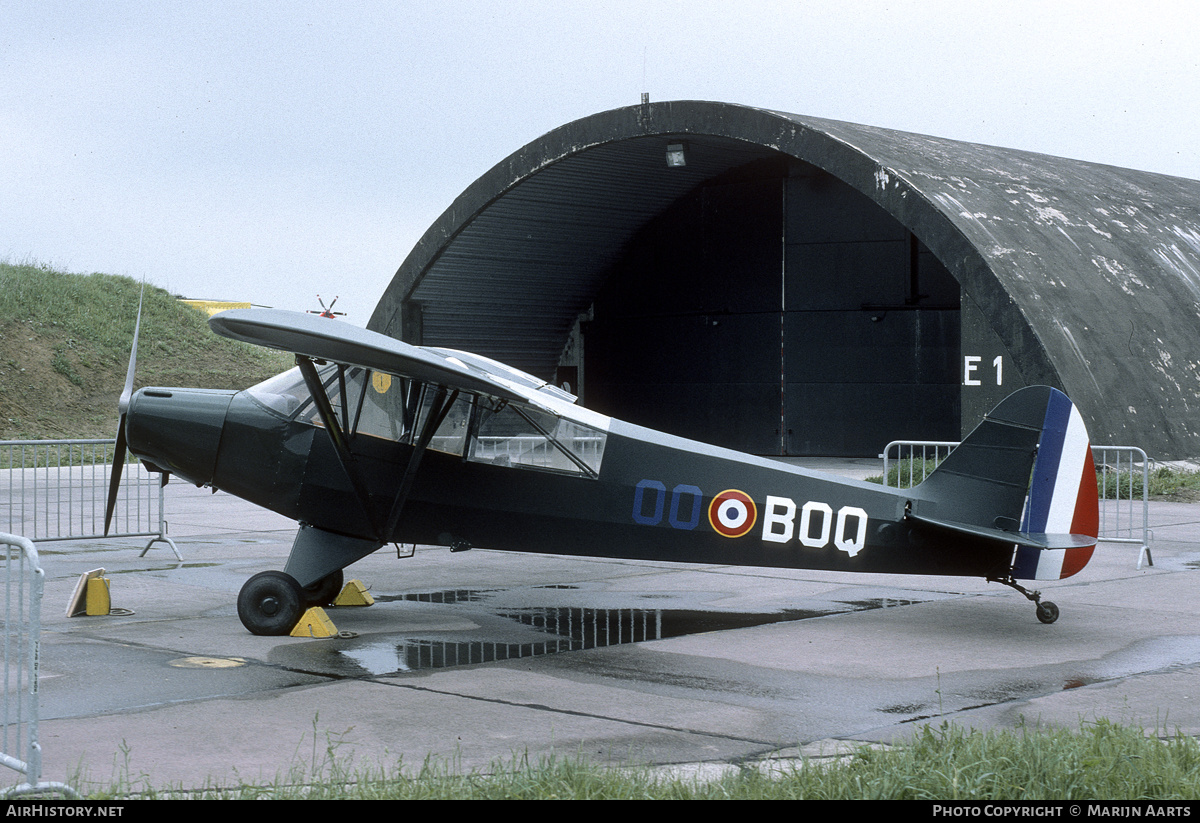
(123, 403)
(114, 481)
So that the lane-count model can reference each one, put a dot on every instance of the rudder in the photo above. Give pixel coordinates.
(1062, 495)
(1024, 476)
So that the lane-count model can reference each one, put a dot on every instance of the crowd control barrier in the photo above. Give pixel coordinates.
(58, 490)
(20, 749)
(1122, 477)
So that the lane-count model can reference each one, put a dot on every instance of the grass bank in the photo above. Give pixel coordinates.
(64, 347)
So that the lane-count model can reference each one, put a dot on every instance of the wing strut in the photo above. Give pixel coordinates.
(438, 410)
(439, 407)
(337, 436)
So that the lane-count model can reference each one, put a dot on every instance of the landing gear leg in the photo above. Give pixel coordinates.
(1047, 612)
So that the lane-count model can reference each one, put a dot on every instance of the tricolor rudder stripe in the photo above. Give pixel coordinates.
(1062, 494)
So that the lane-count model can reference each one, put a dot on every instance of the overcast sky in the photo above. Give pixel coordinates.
(274, 151)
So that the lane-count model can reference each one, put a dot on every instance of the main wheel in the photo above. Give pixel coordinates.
(271, 603)
(324, 590)
(1047, 612)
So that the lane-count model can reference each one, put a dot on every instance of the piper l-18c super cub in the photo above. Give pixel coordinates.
(372, 441)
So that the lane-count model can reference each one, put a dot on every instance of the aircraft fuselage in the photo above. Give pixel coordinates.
(657, 497)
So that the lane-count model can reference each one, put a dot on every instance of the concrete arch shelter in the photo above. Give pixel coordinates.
(785, 284)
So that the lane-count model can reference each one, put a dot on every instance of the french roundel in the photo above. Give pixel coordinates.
(732, 513)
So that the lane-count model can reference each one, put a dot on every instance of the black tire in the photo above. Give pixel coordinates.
(271, 603)
(324, 590)
(1047, 612)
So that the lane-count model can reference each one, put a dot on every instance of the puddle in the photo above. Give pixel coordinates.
(905, 708)
(879, 603)
(483, 626)
(549, 631)
(1154, 655)
(588, 628)
(1007, 691)
(447, 597)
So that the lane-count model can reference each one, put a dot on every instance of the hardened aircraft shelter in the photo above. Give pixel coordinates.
(788, 285)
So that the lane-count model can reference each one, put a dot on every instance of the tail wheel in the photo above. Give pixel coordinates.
(1047, 612)
(271, 603)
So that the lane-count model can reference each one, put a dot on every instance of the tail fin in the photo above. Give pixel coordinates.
(1062, 495)
(1024, 477)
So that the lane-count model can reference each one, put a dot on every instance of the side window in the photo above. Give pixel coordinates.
(521, 436)
(375, 404)
(451, 435)
(384, 409)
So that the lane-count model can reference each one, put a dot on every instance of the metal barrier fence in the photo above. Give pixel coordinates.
(58, 490)
(1123, 474)
(1122, 478)
(20, 749)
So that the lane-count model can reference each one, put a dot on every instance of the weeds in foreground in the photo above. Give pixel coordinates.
(946, 762)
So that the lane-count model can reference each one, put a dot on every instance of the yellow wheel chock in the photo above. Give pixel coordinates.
(314, 623)
(354, 593)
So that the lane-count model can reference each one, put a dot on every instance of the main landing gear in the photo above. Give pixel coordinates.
(272, 602)
(1047, 612)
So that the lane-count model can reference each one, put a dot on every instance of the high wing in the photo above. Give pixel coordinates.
(318, 339)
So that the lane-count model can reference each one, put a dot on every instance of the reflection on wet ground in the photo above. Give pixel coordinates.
(438, 629)
(486, 625)
(1163, 654)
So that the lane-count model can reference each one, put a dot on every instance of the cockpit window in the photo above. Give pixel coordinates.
(480, 428)
(371, 403)
(451, 433)
(383, 411)
(513, 434)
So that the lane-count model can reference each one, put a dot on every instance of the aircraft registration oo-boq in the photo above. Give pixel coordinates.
(370, 441)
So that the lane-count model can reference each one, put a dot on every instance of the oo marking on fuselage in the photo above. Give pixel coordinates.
(733, 513)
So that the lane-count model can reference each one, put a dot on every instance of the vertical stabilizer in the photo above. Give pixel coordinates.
(1062, 495)
(1024, 476)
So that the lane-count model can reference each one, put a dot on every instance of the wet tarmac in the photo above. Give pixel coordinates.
(482, 656)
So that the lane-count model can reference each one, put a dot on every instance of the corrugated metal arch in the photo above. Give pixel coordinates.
(1089, 274)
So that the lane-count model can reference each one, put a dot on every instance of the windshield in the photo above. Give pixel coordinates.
(283, 393)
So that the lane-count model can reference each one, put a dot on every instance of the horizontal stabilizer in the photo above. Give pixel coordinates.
(1013, 538)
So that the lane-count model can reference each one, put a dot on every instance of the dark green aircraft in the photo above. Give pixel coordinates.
(370, 441)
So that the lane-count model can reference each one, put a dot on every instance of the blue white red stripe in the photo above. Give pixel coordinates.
(1062, 494)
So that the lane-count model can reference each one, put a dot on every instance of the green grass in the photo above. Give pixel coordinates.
(1163, 483)
(94, 314)
(905, 473)
(65, 341)
(946, 762)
